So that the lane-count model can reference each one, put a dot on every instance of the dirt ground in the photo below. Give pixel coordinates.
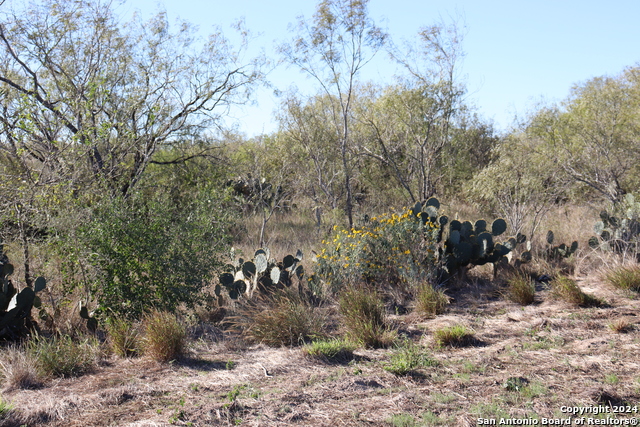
(526, 363)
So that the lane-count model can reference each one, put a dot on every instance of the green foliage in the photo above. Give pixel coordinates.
(521, 288)
(279, 319)
(164, 336)
(152, 253)
(619, 232)
(388, 250)
(568, 290)
(453, 336)
(364, 317)
(124, 337)
(407, 357)
(63, 356)
(15, 307)
(431, 301)
(334, 350)
(262, 274)
(625, 277)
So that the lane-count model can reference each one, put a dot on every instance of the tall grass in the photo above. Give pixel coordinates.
(364, 317)
(164, 336)
(63, 356)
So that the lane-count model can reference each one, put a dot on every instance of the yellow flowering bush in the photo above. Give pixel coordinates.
(389, 250)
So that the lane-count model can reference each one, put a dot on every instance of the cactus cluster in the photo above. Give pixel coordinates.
(15, 307)
(560, 251)
(621, 232)
(262, 274)
(466, 243)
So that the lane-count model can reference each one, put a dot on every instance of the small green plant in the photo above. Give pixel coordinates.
(407, 357)
(124, 337)
(453, 336)
(625, 277)
(521, 288)
(63, 356)
(364, 317)
(5, 409)
(431, 301)
(230, 365)
(611, 379)
(568, 290)
(402, 420)
(281, 319)
(515, 383)
(334, 350)
(164, 336)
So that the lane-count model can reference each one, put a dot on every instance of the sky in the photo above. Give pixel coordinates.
(518, 53)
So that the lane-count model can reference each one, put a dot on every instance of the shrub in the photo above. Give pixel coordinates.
(164, 336)
(281, 319)
(454, 336)
(625, 277)
(18, 369)
(389, 250)
(408, 357)
(431, 301)
(364, 317)
(568, 290)
(151, 252)
(333, 350)
(123, 337)
(63, 356)
(521, 288)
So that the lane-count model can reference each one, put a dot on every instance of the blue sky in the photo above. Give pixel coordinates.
(517, 52)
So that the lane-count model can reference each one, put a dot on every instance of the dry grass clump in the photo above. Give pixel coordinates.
(626, 277)
(431, 301)
(453, 336)
(164, 336)
(364, 317)
(567, 290)
(282, 319)
(620, 326)
(19, 371)
(63, 356)
(124, 337)
(521, 288)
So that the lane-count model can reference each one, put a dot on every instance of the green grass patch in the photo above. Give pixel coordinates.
(453, 336)
(408, 357)
(333, 350)
(625, 277)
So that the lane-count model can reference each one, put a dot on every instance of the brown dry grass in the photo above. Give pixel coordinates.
(564, 356)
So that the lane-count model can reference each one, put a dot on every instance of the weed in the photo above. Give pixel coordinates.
(230, 365)
(164, 337)
(431, 301)
(278, 320)
(408, 357)
(521, 288)
(124, 337)
(63, 356)
(620, 326)
(235, 392)
(453, 336)
(5, 409)
(402, 420)
(335, 350)
(20, 371)
(626, 277)
(611, 379)
(364, 317)
(568, 290)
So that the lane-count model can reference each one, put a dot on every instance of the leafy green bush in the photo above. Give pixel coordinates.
(364, 317)
(164, 336)
(63, 356)
(152, 253)
(389, 250)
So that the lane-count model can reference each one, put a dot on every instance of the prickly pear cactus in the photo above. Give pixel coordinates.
(15, 307)
(560, 251)
(244, 278)
(620, 231)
